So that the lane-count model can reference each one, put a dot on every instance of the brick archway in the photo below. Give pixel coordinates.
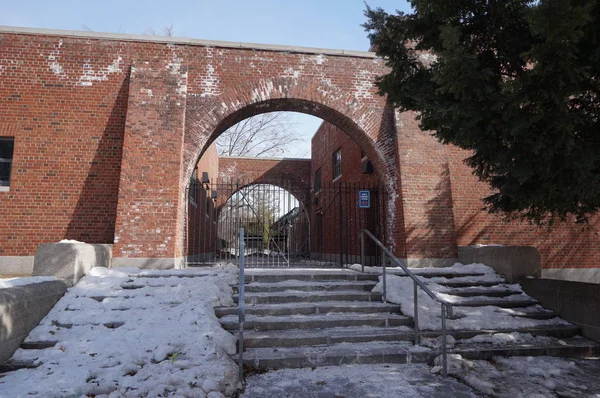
(373, 128)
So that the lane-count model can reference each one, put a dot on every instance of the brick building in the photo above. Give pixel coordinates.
(101, 134)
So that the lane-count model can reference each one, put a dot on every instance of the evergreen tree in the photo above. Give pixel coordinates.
(516, 83)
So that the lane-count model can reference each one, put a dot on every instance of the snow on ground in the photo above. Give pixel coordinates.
(12, 282)
(123, 335)
(400, 291)
(533, 377)
(375, 381)
(457, 268)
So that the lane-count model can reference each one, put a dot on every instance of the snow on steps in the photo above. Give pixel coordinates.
(299, 318)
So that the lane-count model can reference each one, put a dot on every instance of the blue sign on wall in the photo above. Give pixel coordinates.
(364, 199)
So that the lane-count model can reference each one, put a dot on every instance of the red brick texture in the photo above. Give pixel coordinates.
(327, 140)
(108, 132)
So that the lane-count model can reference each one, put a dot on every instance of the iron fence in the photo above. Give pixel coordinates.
(285, 226)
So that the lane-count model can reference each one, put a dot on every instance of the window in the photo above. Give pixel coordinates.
(363, 154)
(7, 146)
(318, 180)
(194, 187)
(337, 164)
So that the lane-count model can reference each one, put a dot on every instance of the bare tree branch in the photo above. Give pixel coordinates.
(167, 30)
(266, 135)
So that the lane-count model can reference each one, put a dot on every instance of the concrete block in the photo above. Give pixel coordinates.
(16, 265)
(577, 302)
(22, 308)
(70, 261)
(515, 263)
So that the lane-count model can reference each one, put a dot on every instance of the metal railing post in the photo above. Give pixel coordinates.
(241, 308)
(362, 251)
(446, 307)
(444, 359)
(384, 281)
(416, 316)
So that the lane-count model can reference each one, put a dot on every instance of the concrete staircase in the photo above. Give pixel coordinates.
(307, 318)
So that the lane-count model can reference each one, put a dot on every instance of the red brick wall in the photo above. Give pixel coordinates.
(327, 140)
(68, 123)
(567, 245)
(201, 227)
(426, 193)
(108, 132)
(74, 103)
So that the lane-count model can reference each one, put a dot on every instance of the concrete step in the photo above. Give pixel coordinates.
(262, 275)
(307, 286)
(399, 352)
(442, 274)
(12, 365)
(481, 292)
(303, 297)
(258, 323)
(299, 337)
(37, 345)
(337, 354)
(500, 302)
(540, 315)
(564, 347)
(295, 337)
(324, 307)
(456, 284)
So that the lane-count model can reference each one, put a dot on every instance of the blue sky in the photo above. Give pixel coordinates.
(310, 23)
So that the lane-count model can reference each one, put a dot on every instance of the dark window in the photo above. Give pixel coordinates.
(318, 180)
(337, 164)
(7, 146)
(194, 187)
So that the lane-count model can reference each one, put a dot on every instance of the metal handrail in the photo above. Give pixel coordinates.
(446, 307)
(241, 308)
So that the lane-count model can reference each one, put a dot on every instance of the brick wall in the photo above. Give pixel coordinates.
(201, 226)
(566, 245)
(73, 104)
(108, 131)
(338, 198)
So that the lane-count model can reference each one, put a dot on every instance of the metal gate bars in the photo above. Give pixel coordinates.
(285, 226)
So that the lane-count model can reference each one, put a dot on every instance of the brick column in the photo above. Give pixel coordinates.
(146, 231)
(426, 195)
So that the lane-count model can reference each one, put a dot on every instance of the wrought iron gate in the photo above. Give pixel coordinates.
(284, 226)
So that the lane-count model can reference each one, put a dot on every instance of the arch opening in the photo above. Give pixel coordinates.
(356, 125)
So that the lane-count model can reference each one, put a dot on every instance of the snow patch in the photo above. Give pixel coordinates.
(30, 280)
(121, 332)
(400, 291)
(70, 241)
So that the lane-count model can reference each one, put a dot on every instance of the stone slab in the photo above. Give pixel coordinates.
(70, 261)
(16, 265)
(588, 275)
(22, 308)
(148, 263)
(513, 262)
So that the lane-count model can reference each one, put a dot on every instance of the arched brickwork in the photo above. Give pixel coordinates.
(290, 174)
(372, 126)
